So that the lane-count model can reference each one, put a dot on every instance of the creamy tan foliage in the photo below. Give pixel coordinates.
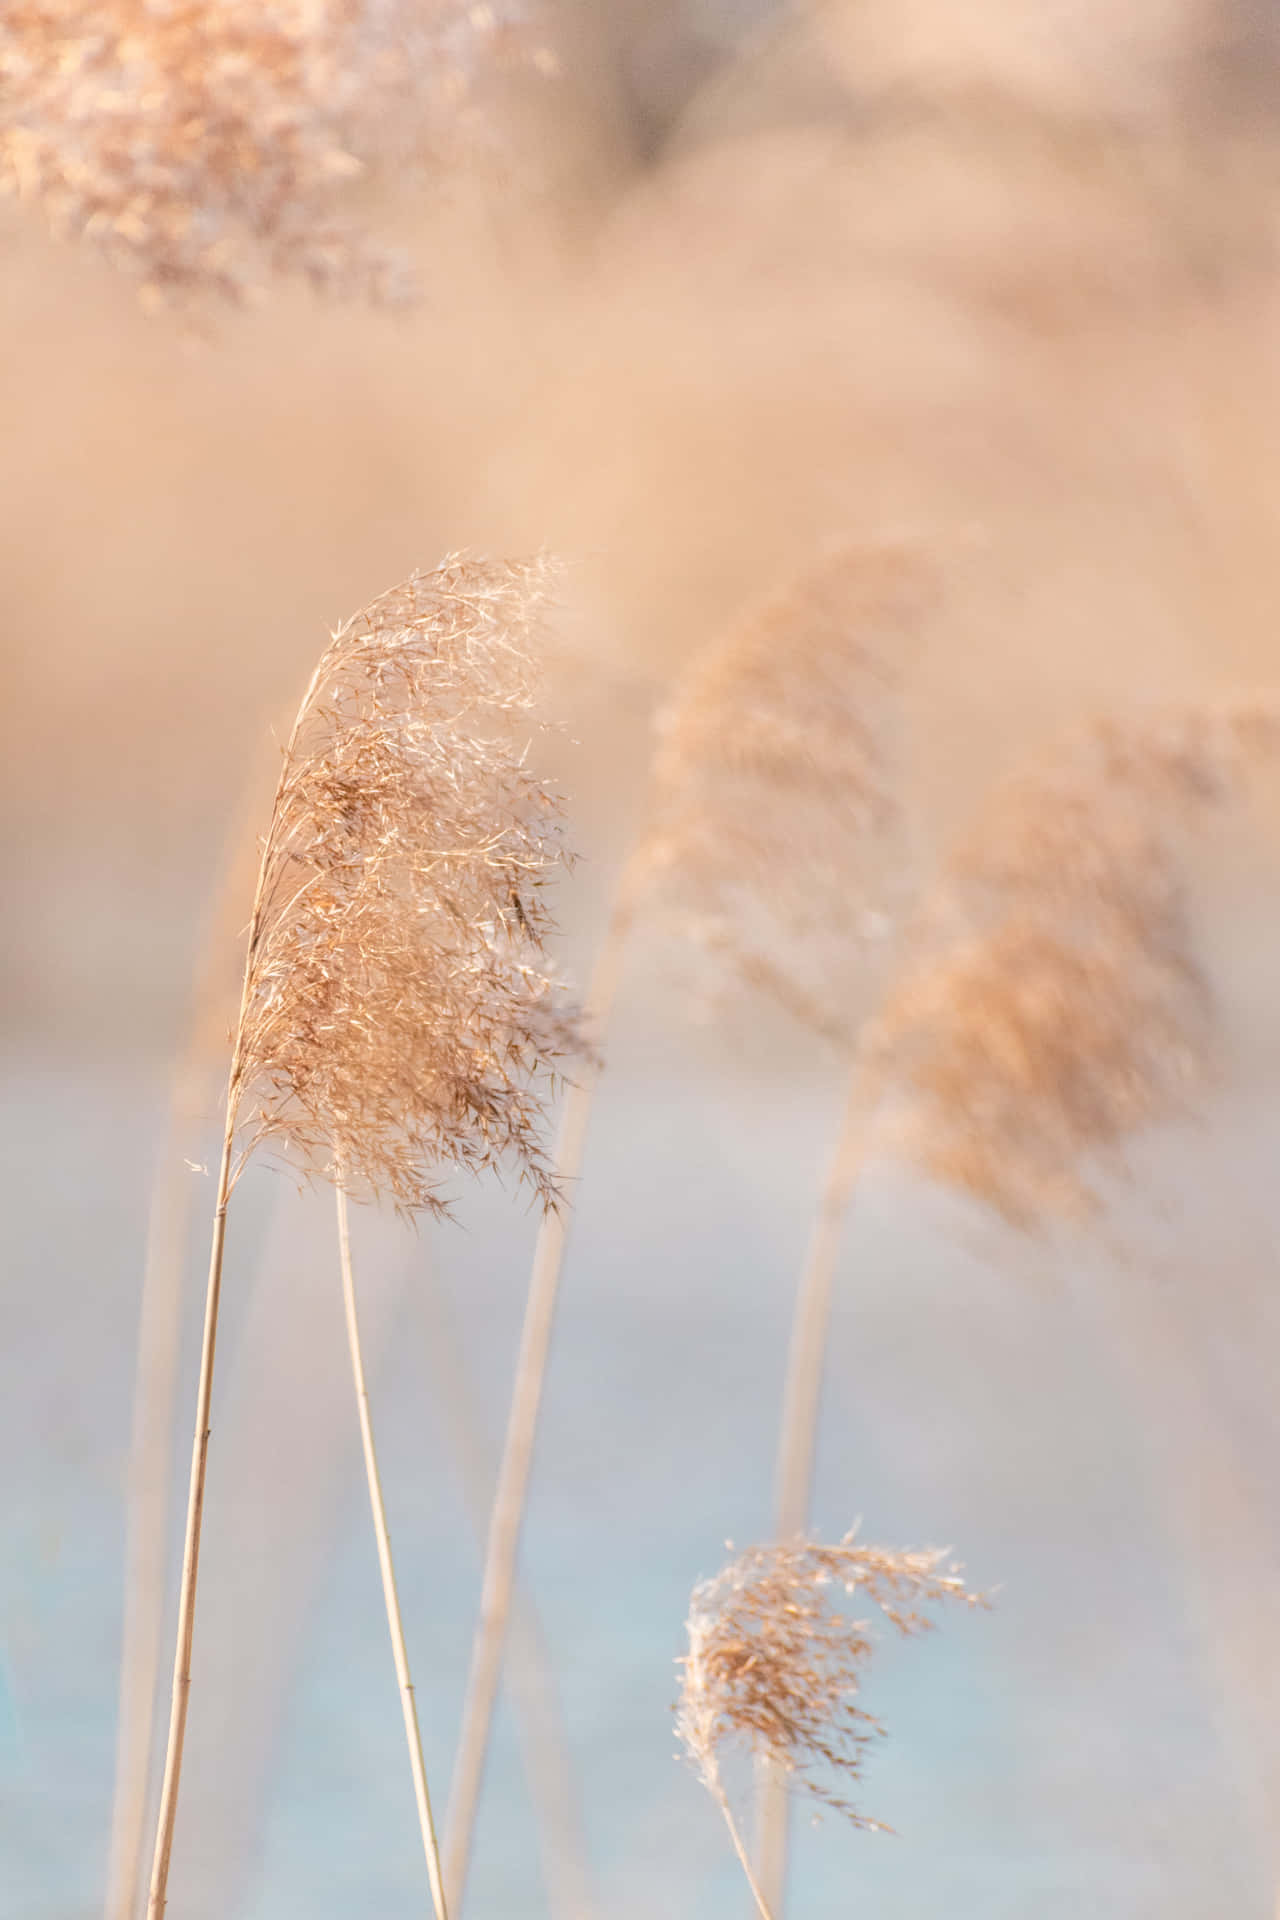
(1056, 1003)
(206, 144)
(775, 1667)
(399, 1010)
(774, 842)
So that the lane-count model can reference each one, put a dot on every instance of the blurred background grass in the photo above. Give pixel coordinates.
(733, 280)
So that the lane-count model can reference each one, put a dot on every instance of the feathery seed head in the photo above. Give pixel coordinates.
(775, 1667)
(775, 844)
(1029, 1048)
(1056, 1004)
(205, 144)
(398, 1007)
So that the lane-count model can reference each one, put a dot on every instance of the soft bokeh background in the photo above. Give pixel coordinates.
(1000, 278)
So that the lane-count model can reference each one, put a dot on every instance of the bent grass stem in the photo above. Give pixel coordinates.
(798, 1430)
(510, 1492)
(395, 1625)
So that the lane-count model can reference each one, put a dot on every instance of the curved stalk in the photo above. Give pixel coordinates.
(155, 1379)
(517, 1454)
(757, 1892)
(147, 1498)
(798, 1431)
(547, 1765)
(227, 1174)
(191, 1548)
(395, 1625)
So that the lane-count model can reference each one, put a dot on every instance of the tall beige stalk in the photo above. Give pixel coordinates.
(386, 1567)
(155, 1380)
(181, 1688)
(147, 1499)
(779, 846)
(511, 1490)
(549, 1773)
(798, 1430)
(1061, 1007)
(395, 1011)
(191, 1546)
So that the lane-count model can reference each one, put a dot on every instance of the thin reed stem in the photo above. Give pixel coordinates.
(502, 1549)
(757, 1891)
(395, 1626)
(798, 1429)
(553, 1789)
(155, 1380)
(168, 1810)
(357, 1026)
(191, 1545)
(159, 1317)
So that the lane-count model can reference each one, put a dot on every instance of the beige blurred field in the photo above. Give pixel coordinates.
(712, 287)
(1008, 288)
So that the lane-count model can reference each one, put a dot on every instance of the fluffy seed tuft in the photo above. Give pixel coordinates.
(1056, 1003)
(399, 1011)
(774, 1667)
(775, 844)
(208, 144)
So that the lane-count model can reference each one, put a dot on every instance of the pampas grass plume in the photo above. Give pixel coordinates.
(205, 145)
(1056, 1003)
(775, 838)
(775, 1668)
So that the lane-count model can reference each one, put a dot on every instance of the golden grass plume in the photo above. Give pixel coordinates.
(775, 1668)
(209, 144)
(399, 1010)
(774, 845)
(1056, 1003)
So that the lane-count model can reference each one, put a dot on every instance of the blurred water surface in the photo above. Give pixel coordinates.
(1066, 1752)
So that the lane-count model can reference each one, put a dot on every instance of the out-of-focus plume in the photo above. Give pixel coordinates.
(776, 844)
(774, 1668)
(208, 144)
(397, 1010)
(780, 848)
(1057, 1003)
(771, 821)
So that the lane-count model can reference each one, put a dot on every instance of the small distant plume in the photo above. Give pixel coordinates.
(209, 144)
(398, 1009)
(775, 1668)
(1056, 1003)
(775, 844)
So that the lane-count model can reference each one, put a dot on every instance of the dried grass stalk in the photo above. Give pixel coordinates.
(775, 1669)
(773, 785)
(502, 1544)
(780, 849)
(397, 1011)
(554, 1791)
(206, 145)
(194, 1094)
(1056, 1004)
